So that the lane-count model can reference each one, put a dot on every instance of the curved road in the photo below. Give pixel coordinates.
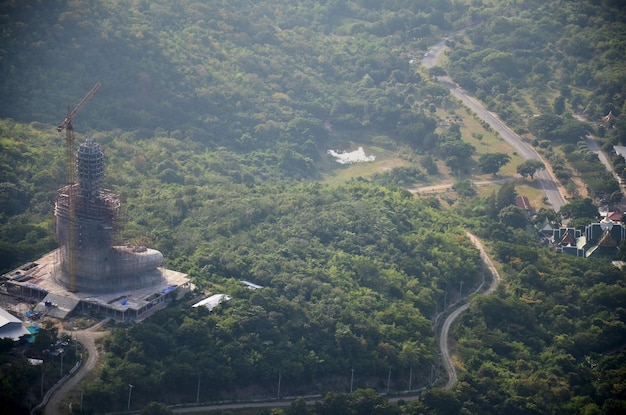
(447, 324)
(88, 339)
(546, 179)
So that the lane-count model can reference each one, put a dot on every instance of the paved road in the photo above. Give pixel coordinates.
(545, 178)
(430, 58)
(447, 324)
(595, 147)
(88, 339)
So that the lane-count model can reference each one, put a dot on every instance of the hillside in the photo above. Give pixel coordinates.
(535, 58)
(245, 75)
(215, 118)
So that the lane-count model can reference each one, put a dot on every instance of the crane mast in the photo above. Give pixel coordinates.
(72, 246)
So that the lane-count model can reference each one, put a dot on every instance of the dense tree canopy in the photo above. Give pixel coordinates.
(216, 117)
(539, 347)
(580, 208)
(493, 162)
(549, 49)
(342, 291)
(243, 75)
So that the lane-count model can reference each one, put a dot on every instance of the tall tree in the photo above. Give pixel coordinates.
(493, 162)
(513, 216)
(530, 167)
(506, 196)
(559, 105)
(580, 208)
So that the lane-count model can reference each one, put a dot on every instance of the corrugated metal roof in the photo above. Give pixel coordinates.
(11, 326)
(212, 301)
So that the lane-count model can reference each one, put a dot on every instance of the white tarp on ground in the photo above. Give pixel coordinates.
(212, 301)
(357, 156)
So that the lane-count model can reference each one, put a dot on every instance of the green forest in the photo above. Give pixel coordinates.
(215, 119)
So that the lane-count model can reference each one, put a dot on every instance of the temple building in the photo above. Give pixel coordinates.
(597, 239)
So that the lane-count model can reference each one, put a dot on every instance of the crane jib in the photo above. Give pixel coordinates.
(67, 122)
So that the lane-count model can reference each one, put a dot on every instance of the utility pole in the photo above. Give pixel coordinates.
(410, 377)
(351, 380)
(279, 376)
(130, 391)
(42, 380)
(388, 381)
(198, 391)
(432, 372)
(482, 261)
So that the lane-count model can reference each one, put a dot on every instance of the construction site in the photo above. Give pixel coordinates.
(88, 272)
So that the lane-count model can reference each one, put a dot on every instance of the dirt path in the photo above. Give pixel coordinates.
(446, 185)
(88, 340)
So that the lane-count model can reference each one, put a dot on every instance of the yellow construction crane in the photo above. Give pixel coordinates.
(71, 173)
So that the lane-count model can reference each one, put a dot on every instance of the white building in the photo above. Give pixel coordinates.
(11, 326)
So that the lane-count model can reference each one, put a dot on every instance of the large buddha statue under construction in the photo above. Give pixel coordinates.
(85, 223)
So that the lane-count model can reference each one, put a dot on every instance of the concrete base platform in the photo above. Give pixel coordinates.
(36, 282)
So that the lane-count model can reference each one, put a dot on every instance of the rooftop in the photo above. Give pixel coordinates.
(11, 326)
(212, 301)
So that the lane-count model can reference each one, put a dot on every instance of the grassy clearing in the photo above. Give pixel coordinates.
(366, 170)
(388, 156)
(483, 140)
(532, 190)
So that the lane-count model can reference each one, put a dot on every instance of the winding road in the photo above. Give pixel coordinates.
(545, 178)
(548, 184)
(88, 339)
(447, 324)
(443, 344)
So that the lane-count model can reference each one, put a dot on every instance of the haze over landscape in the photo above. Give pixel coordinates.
(398, 203)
